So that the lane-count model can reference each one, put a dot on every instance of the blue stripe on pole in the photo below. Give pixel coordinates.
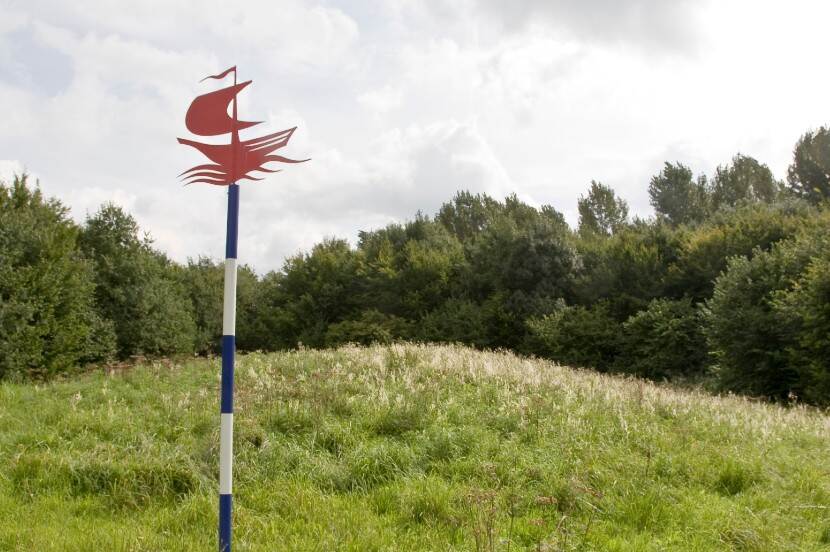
(225, 501)
(228, 349)
(233, 221)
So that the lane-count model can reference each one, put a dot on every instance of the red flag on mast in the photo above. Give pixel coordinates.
(221, 75)
(208, 116)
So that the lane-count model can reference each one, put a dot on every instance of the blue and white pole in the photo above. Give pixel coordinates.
(228, 353)
(208, 116)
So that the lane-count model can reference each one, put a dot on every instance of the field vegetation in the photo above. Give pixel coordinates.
(406, 447)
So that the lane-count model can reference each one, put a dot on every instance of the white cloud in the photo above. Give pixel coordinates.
(647, 23)
(400, 103)
(381, 100)
(9, 168)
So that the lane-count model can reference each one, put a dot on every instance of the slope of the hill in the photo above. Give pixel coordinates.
(407, 448)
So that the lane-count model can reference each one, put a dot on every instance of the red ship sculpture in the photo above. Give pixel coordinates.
(208, 116)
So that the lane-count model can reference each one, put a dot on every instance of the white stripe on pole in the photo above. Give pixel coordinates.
(229, 310)
(226, 453)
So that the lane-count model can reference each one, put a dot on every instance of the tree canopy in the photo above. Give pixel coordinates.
(809, 174)
(725, 286)
(601, 211)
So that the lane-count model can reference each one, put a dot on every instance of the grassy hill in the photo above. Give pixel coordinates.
(407, 448)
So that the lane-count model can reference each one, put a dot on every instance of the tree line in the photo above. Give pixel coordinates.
(728, 285)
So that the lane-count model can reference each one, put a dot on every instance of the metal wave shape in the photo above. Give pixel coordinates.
(208, 116)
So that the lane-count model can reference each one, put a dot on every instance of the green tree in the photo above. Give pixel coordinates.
(578, 336)
(705, 249)
(809, 174)
(459, 321)
(409, 269)
(368, 328)
(748, 334)
(744, 180)
(664, 341)
(629, 269)
(601, 212)
(48, 322)
(677, 196)
(139, 290)
(526, 262)
(315, 290)
(204, 281)
(467, 215)
(804, 309)
(427, 268)
(271, 325)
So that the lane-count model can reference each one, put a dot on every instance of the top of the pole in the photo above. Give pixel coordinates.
(230, 163)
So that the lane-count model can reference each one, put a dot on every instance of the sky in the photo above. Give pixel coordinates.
(399, 104)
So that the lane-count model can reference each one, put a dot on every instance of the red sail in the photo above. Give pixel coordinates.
(208, 114)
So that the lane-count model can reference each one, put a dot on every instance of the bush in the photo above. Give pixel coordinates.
(456, 321)
(805, 310)
(314, 290)
(578, 336)
(665, 341)
(204, 281)
(519, 266)
(768, 320)
(749, 332)
(137, 289)
(371, 327)
(705, 250)
(629, 269)
(48, 322)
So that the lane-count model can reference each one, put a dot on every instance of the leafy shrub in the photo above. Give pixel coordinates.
(314, 290)
(371, 327)
(805, 309)
(629, 269)
(457, 321)
(204, 282)
(137, 289)
(48, 322)
(578, 336)
(768, 320)
(753, 315)
(745, 332)
(704, 251)
(664, 341)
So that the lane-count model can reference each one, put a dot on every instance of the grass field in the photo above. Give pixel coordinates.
(406, 448)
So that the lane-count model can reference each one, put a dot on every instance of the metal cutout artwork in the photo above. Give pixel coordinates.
(208, 116)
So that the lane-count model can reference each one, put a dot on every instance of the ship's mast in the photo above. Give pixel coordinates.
(228, 349)
(235, 133)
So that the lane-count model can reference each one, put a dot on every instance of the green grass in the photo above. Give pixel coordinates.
(407, 448)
